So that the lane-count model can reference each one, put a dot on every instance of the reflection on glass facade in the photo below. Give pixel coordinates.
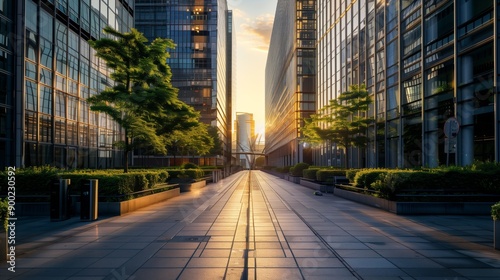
(55, 71)
(7, 48)
(244, 127)
(201, 61)
(290, 81)
(423, 62)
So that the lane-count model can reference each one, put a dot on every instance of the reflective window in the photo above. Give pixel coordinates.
(31, 96)
(45, 100)
(46, 53)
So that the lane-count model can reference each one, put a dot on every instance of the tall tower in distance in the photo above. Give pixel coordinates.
(201, 62)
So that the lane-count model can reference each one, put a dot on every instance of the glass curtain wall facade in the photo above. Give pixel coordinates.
(7, 99)
(244, 126)
(201, 61)
(55, 70)
(290, 81)
(423, 62)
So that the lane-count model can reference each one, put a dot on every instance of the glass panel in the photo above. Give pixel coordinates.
(45, 128)
(60, 130)
(31, 96)
(46, 100)
(60, 104)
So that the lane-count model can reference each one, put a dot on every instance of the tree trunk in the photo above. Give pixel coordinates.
(346, 160)
(125, 169)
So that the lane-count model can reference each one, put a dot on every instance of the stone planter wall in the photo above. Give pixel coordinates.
(187, 187)
(3, 244)
(418, 208)
(122, 207)
(496, 234)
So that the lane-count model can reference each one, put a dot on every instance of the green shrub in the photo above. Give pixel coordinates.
(284, 169)
(488, 166)
(189, 165)
(185, 175)
(31, 180)
(116, 183)
(388, 183)
(297, 169)
(310, 173)
(351, 174)
(326, 175)
(365, 177)
(495, 211)
(4, 213)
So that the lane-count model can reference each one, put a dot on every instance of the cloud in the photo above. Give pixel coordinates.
(256, 31)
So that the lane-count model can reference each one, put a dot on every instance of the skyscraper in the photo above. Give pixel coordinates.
(425, 63)
(201, 63)
(244, 127)
(290, 81)
(47, 70)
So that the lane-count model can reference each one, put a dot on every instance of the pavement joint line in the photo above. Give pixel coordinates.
(339, 257)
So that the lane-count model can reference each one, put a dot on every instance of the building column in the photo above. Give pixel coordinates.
(465, 114)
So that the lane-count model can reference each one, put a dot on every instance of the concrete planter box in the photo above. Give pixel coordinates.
(3, 244)
(414, 208)
(496, 234)
(122, 207)
(33, 209)
(187, 187)
(294, 179)
(316, 186)
(310, 184)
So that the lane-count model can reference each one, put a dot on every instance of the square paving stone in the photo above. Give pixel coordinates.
(319, 262)
(369, 263)
(278, 273)
(327, 274)
(320, 253)
(202, 273)
(215, 253)
(156, 274)
(208, 262)
(275, 262)
(166, 262)
(172, 253)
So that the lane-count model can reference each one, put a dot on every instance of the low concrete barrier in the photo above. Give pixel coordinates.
(187, 187)
(418, 208)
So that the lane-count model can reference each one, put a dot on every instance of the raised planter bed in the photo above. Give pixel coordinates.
(418, 208)
(104, 208)
(187, 187)
(122, 207)
(294, 179)
(317, 186)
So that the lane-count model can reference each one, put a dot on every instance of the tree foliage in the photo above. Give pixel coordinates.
(142, 99)
(343, 121)
(193, 141)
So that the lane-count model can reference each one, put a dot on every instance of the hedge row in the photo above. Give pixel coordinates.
(297, 169)
(185, 175)
(112, 182)
(393, 182)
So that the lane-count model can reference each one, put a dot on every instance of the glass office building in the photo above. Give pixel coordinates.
(290, 81)
(7, 116)
(423, 62)
(47, 70)
(201, 62)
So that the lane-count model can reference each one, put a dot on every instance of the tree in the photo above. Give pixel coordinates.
(196, 141)
(142, 99)
(343, 121)
(217, 148)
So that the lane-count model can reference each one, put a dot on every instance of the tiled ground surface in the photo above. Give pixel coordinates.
(257, 227)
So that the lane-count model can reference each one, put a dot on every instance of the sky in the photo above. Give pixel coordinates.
(253, 23)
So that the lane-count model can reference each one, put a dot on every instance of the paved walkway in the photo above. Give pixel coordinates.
(257, 227)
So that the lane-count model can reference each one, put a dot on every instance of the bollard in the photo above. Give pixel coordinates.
(88, 200)
(60, 201)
